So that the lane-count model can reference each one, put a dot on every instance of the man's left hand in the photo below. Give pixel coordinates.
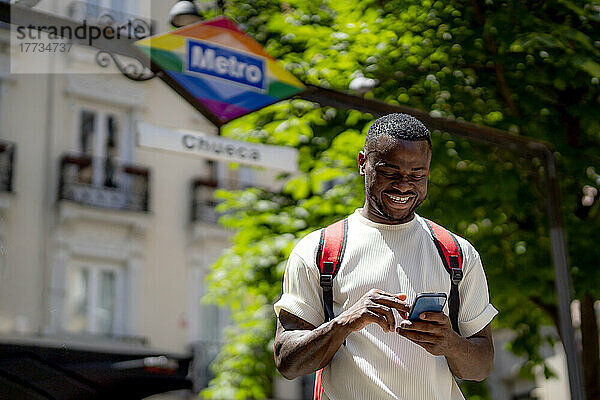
(434, 333)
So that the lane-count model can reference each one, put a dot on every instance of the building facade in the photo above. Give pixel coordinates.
(103, 241)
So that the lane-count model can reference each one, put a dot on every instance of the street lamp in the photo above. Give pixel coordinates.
(183, 13)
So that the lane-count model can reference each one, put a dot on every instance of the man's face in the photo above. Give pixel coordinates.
(396, 173)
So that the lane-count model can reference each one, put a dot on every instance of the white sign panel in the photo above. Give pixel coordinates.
(216, 147)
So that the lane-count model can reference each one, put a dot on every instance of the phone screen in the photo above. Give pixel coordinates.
(426, 302)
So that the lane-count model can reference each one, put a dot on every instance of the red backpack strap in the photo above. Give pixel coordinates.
(332, 245)
(318, 395)
(329, 258)
(451, 255)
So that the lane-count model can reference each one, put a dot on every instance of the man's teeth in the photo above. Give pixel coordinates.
(399, 199)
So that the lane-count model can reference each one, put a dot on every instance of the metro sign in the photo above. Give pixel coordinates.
(219, 69)
(221, 62)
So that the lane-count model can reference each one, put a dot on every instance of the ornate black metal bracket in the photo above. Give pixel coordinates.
(133, 69)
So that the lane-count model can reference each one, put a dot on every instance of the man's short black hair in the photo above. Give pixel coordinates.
(398, 126)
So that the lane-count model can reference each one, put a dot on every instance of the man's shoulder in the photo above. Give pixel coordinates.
(466, 247)
(306, 248)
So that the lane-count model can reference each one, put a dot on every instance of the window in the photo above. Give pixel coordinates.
(207, 321)
(213, 322)
(93, 291)
(100, 137)
(118, 5)
(246, 176)
(237, 178)
(221, 176)
(98, 133)
(86, 132)
(96, 8)
(102, 173)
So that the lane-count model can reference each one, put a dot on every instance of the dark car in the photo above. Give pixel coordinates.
(60, 370)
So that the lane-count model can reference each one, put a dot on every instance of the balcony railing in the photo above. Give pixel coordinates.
(7, 159)
(203, 197)
(102, 16)
(104, 182)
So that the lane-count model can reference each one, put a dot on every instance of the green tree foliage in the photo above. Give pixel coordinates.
(248, 277)
(530, 68)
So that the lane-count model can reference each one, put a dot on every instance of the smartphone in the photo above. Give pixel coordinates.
(426, 302)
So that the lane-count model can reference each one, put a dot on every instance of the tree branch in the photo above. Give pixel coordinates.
(498, 67)
(550, 309)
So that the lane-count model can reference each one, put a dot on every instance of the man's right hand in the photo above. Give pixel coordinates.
(301, 348)
(375, 307)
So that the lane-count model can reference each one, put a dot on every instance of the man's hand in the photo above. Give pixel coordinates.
(469, 358)
(301, 348)
(374, 307)
(434, 333)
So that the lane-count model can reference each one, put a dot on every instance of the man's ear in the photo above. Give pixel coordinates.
(361, 162)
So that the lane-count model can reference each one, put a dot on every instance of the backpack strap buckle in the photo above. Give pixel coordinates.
(456, 275)
(326, 281)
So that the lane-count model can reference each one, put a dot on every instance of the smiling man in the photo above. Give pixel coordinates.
(369, 351)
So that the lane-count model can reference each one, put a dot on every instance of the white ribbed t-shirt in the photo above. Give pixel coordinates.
(397, 259)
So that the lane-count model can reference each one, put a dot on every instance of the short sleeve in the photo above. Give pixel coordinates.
(476, 311)
(301, 292)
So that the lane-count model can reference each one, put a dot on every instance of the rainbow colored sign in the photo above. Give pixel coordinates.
(218, 68)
